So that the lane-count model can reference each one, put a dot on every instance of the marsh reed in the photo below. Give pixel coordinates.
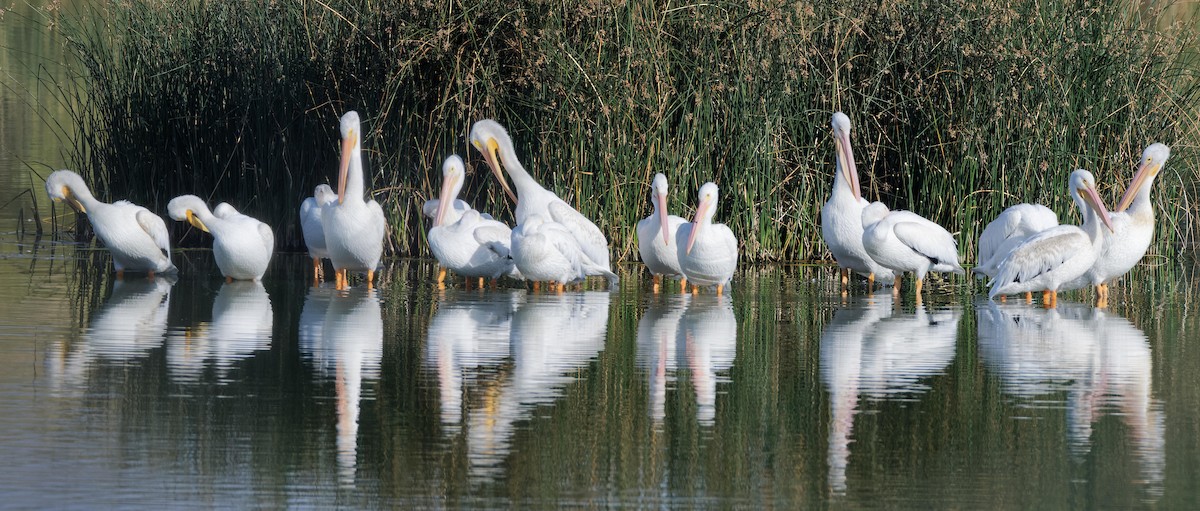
(960, 108)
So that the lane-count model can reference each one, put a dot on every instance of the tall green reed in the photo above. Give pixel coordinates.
(959, 108)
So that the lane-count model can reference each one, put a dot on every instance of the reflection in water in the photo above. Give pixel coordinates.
(241, 325)
(552, 337)
(131, 323)
(345, 342)
(656, 338)
(873, 350)
(707, 340)
(1098, 358)
(468, 331)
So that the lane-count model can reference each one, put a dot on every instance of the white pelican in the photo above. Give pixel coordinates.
(241, 326)
(489, 138)
(242, 245)
(1051, 259)
(311, 226)
(707, 340)
(354, 228)
(841, 216)
(905, 241)
(472, 246)
(1014, 225)
(660, 257)
(547, 252)
(137, 238)
(1132, 225)
(656, 347)
(708, 252)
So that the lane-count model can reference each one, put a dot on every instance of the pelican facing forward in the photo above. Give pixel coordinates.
(841, 216)
(490, 138)
(472, 246)
(137, 238)
(1052, 259)
(655, 234)
(905, 241)
(708, 252)
(242, 245)
(354, 227)
(312, 228)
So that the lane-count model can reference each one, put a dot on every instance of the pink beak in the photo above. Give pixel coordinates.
(662, 218)
(1093, 198)
(848, 167)
(697, 224)
(344, 166)
(444, 200)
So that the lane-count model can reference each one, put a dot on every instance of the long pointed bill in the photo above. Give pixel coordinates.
(195, 221)
(848, 168)
(1093, 199)
(662, 218)
(444, 200)
(73, 202)
(489, 155)
(697, 224)
(344, 167)
(1146, 171)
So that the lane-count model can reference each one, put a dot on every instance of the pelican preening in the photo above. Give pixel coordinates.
(312, 226)
(242, 245)
(905, 241)
(471, 245)
(708, 252)
(841, 216)
(1014, 225)
(354, 228)
(1057, 258)
(137, 238)
(655, 234)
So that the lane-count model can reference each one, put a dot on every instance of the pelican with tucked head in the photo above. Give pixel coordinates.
(472, 246)
(708, 252)
(137, 238)
(354, 228)
(905, 241)
(656, 233)
(312, 227)
(841, 216)
(490, 138)
(242, 245)
(1013, 226)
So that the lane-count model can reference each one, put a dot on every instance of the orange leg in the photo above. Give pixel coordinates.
(370, 279)
(683, 285)
(871, 282)
(536, 286)
(150, 276)
(845, 276)
(920, 283)
(657, 282)
(120, 274)
(316, 271)
(441, 279)
(228, 279)
(896, 286)
(480, 282)
(720, 289)
(1029, 297)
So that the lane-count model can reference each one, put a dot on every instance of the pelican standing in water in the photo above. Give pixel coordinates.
(546, 252)
(490, 138)
(841, 216)
(1132, 225)
(655, 234)
(137, 238)
(242, 245)
(905, 241)
(708, 252)
(1052, 259)
(354, 228)
(312, 228)
(472, 246)
(1013, 226)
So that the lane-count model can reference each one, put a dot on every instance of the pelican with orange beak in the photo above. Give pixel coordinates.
(354, 228)
(472, 246)
(242, 245)
(708, 252)
(656, 233)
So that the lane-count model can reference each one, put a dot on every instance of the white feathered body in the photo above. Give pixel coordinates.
(842, 230)
(547, 252)
(714, 255)
(905, 241)
(313, 227)
(1053, 260)
(354, 233)
(1125, 245)
(473, 246)
(137, 238)
(242, 246)
(660, 258)
(1009, 229)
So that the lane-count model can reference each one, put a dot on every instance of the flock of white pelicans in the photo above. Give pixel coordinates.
(1024, 250)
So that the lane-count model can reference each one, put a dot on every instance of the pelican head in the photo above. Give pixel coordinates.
(705, 210)
(845, 153)
(323, 193)
(1153, 159)
(874, 212)
(65, 185)
(188, 208)
(351, 132)
(452, 181)
(658, 192)
(490, 138)
(1083, 190)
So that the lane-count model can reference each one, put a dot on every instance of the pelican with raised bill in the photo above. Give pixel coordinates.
(708, 252)
(656, 233)
(490, 138)
(242, 245)
(905, 241)
(473, 246)
(1132, 225)
(354, 228)
(1054, 260)
(313, 229)
(137, 238)
(841, 216)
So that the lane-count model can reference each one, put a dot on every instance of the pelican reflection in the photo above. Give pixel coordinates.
(1099, 360)
(349, 349)
(241, 325)
(656, 342)
(707, 340)
(552, 337)
(872, 350)
(468, 331)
